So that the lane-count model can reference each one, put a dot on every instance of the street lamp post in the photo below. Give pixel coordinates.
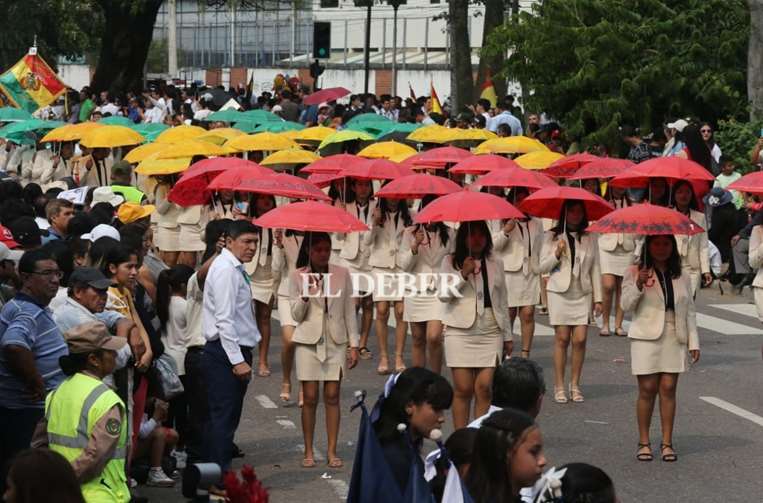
(367, 46)
(395, 5)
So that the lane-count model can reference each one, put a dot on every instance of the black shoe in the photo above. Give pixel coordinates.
(237, 453)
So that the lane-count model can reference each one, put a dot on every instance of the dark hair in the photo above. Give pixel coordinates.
(698, 151)
(11, 189)
(561, 223)
(518, 384)
(13, 209)
(674, 262)
(347, 194)
(44, 475)
(115, 255)
(131, 235)
(462, 247)
(99, 249)
(102, 213)
(170, 281)
(239, 227)
(75, 362)
(460, 446)
(29, 259)
(60, 252)
(81, 223)
(584, 483)
(664, 200)
(402, 211)
(674, 189)
(415, 385)
(487, 479)
(212, 233)
(442, 229)
(31, 192)
(310, 239)
(79, 247)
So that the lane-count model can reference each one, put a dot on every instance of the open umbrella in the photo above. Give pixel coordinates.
(290, 156)
(385, 150)
(568, 166)
(260, 116)
(646, 219)
(237, 174)
(12, 114)
(433, 133)
(116, 120)
(150, 131)
(110, 137)
(220, 135)
(180, 133)
(153, 166)
(192, 188)
(540, 159)
(470, 135)
(417, 186)
(514, 177)
(246, 126)
(141, 152)
(467, 206)
(279, 127)
(192, 148)
(316, 133)
(29, 126)
(751, 183)
(510, 145)
(367, 118)
(284, 185)
(310, 216)
(670, 168)
(344, 136)
(479, 164)
(322, 180)
(259, 142)
(227, 115)
(376, 169)
(329, 94)
(548, 202)
(333, 164)
(70, 132)
(603, 167)
(440, 157)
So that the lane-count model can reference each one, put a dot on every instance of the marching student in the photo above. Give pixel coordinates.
(695, 258)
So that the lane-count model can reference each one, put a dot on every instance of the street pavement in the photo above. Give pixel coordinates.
(718, 434)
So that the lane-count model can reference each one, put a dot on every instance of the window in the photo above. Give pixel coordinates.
(328, 4)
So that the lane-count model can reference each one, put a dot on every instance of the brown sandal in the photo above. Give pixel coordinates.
(335, 463)
(644, 456)
(308, 463)
(670, 457)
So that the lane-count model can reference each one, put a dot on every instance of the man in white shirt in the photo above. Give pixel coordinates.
(503, 116)
(153, 113)
(108, 105)
(230, 329)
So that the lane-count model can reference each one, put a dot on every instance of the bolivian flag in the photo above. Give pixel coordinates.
(436, 105)
(31, 84)
(488, 91)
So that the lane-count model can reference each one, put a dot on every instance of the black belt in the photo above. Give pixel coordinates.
(193, 349)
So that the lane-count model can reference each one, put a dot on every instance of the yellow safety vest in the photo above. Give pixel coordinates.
(72, 411)
(131, 194)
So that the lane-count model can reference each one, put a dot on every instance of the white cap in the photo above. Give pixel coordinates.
(678, 125)
(323, 105)
(101, 231)
(106, 195)
(276, 109)
(8, 254)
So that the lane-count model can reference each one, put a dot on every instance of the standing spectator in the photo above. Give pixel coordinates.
(289, 109)
(58, 212)
(504, 116)
(674, 134)
(728, 176)
(639, 150)
(696, 150)
(30, 345)
(86, 104)
(230, 328)
(706, 130)
(387, 110)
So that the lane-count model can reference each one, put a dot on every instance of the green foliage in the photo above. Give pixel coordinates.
(597, 64)
(737, 141)
(157, 59)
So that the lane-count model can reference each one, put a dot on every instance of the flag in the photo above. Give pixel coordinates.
(31, 84)
(436, 106)
(488, 90)
(410, 90)
(250, 87)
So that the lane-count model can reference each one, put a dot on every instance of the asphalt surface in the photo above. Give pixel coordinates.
(718, 434)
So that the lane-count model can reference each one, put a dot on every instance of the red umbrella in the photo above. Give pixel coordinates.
(417, 186)
(671, 168)
(376, 169)
(646, 219)
(514, 177)
(192, 189)
(479, 164)
(548, 202)
(333, 163)
(467, 206)
(567, 166)
(604, 167)
(751, 183)
(330, 94)
(232, 177)
(310, 216)
(284, 185)
(439, 157)
(321, 180)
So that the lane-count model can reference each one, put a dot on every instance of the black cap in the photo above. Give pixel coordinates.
(26, 232)
(89, 276)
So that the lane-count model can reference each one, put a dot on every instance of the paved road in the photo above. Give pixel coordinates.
(718, 437)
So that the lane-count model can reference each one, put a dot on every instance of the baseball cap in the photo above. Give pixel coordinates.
(101, 231)
(678, 125)
(131, 212)
(89, 276)
(92, 336)
(6, 237)
(8, 254)
(26, 232)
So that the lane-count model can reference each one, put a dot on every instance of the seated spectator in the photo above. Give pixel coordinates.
(42, 475)
(58, 212)
(154, 441)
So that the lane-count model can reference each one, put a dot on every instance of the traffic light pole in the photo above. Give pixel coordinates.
(367, 47)
(395, 6)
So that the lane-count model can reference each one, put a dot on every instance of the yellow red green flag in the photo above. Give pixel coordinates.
(31, 84)
(436, 105)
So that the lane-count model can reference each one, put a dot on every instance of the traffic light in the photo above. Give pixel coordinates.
(321, 39)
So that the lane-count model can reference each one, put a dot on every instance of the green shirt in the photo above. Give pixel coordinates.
(85, 110)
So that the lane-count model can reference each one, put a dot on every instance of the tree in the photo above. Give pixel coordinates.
(461, 78)
(597, 64)
(755, 60)
(494, 10)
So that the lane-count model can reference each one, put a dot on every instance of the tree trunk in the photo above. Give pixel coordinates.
(461, 78)
(129, 28)
(755, 60)
(491, 65)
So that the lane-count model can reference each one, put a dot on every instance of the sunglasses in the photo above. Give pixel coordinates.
(48, 273)
(705, 130)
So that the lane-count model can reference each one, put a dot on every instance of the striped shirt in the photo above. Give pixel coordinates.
(23, 322)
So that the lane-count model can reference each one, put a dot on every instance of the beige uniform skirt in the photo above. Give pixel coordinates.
(386, 285)
(663, 355)
(323, 361)
(695, 278)
(479, 346)
(262, 282)
(421, 308)
(522, 289)
(167, 239)
(615, 262)
(571, 307)
(191, 238)
(284, 312)
(758, 296)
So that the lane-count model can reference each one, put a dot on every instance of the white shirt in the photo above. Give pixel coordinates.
(154, 115)
(202, 114)
(175, 336)
(110, 108)
(505, 117)
(228, 313)
(193, 315)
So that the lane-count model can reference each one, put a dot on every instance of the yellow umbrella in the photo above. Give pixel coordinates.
(401, 157)
(434, 133)
(510, 145)
(260, 142)
(290, 156)
(111, 136)
(140, 153)
(152, 165)
(385, 150)
(473, 134)
(540, 159)
(289, 135)
(179, 133)
(220, 135)
(317, 133)
(70, 132)
(191, 148)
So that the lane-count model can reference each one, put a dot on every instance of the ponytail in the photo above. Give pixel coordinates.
(170, 281)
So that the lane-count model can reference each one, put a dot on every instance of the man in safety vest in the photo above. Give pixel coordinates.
(85, 419)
